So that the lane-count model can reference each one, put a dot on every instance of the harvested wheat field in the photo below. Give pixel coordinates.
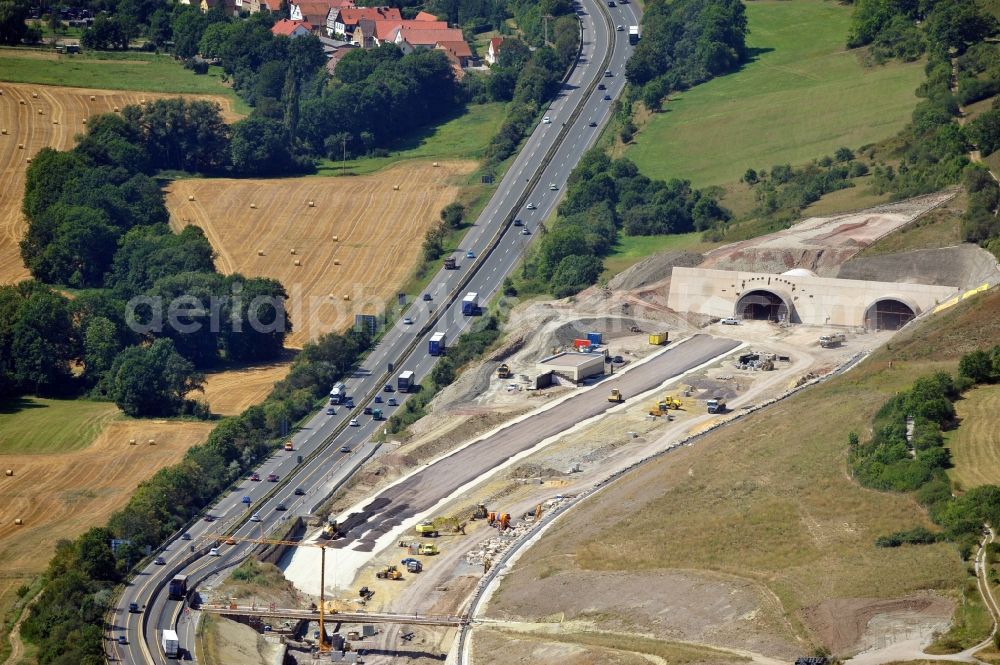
(232, 391)
(61, 495)
(360, 238)
(33, 117)
(975, 445)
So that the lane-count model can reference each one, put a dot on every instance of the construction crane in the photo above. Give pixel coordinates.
(231, 540)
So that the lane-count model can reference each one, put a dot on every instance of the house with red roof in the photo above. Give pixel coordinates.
(411, 39)
(291, 29)
(267, 6)
(343, 23)
(385, 31)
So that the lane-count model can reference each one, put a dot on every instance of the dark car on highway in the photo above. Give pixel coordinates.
(299, 491)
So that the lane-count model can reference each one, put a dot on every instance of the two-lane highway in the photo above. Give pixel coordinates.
(497, 245)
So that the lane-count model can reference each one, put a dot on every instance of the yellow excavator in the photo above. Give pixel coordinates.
(616, 396)
(389, 573)
(503, 371)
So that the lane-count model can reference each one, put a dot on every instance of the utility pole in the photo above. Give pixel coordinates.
(545, 21)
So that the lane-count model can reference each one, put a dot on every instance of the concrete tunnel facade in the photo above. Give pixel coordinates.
(801, 297)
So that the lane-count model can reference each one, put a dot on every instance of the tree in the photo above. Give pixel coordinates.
(259, 147)
(94, 556)
(149, 253)
(101, 344)
(13, 14)
(985, 131)
(443, 373)
(978, 366)
(108, 33)
(452, 215)
(575, 273)
(152, 380)
(43, 342)
(750, 177)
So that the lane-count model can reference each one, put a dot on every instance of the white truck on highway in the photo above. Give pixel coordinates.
(171, 645)
(337, 393)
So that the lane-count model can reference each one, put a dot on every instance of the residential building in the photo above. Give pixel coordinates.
(410, 39)
(346, 20)
(385, 31)
(291, 29)
(316, 11)
(267, 6)
(457, 52)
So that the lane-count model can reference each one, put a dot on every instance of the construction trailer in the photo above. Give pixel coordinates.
(830, 341)
(574, 366)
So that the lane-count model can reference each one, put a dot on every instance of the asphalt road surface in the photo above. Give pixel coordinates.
(425, 488)
(528, 180)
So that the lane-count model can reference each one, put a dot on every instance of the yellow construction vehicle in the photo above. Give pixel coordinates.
(427, 528)
(672, 402)
(616, 396)
(428, 549)
(481, 512)
(503, 371)
(389, 573)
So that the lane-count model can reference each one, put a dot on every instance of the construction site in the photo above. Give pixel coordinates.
(429, 576)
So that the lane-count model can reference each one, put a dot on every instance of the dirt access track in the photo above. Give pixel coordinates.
(360, 237)
(41, 116)
(62, 495)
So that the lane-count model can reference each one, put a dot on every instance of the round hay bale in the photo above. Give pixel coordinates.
(435, 164)
(253, 206)
(21, 102)
(20, 146)
(312, 204)
(347, 296)
(260, 252)
(93, 98)
(41, 112)
(29, 160)
(142, 101)
(34, 95)
(18, 521)
(9, 472)
(336, 262)
(190, 197)
(116, 109)
(131, 442)
(336, 238)
(152, 442)
(55, 122)
(3, 131)
(395, 188)
(85, 121)
(297, 262)
(293, 251)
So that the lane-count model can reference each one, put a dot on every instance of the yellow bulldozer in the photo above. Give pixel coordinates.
(503, 371)
(389, 573)
(616, 396)
(664, 405)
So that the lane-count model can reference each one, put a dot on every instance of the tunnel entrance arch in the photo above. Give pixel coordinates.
(888, 314)
(763, 305)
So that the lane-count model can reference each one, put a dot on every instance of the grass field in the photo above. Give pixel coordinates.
(463, 137)
(802, 96)
(362, 239)
(975, 445)
(629, 250)
(144, 72)
(768, 501)
(36, 426)
(39, 116)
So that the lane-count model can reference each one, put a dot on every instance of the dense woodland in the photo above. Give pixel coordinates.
(97, 223)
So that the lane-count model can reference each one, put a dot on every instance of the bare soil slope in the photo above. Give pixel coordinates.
(361, 238)
(40, 116)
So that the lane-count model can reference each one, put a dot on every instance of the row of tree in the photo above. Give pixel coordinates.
(892, 461)
(603, 197)
(66, 621)
(685, 42)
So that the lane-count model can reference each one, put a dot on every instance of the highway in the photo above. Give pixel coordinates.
(528, 180)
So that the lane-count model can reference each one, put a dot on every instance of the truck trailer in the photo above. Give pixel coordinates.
(171, 645)
(450, 263)
(633, 34)
(716, 406)
(436, 344)
(470, 303)
(405, 381)
(178, 587)
(337, 393)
